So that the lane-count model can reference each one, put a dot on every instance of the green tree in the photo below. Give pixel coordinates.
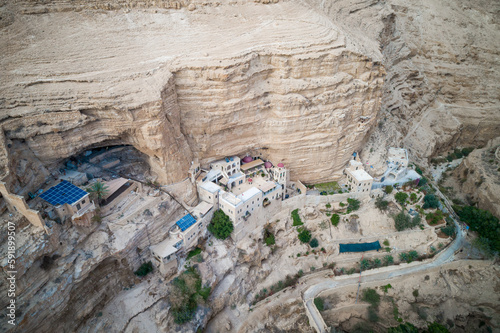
(335, 219)
(145, 269)
(388, 189)
(304, 236)
(314, 243)
(220, 225)
(98, 190)
(381, 204)
(422, 182)
(430, 201)
(353, 205)
(403, 221)
(413, 197)
(484, 223)
(401, 198)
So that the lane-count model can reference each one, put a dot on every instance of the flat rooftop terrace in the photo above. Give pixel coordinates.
(257, 181)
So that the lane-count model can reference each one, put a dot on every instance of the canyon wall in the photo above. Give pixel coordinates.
(232, 80)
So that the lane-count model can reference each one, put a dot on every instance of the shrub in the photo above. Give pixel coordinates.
(296, 218)
(300, 273)
(305, 236)
(269, 237)
(341, 204)
(403, 221)
(436, 328)
(381, 203)
(401, 198)
(386, 242)
(194, 252)
(328, 205)
(314, 243)
(386, 287)
(145, 269)
(415, 293)
(434, 218)
(320, 303)
(185, 295)
(413, 197)
(370, 296)
(388, 189)
(353, 205)
(422, 182)
(388, 260)
(448, 230)
(430, 201)
(467, 151)
(403, 328)
(365, 264)
(335, 219)
(220, 225)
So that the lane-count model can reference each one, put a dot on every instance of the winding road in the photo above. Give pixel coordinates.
(443, 257)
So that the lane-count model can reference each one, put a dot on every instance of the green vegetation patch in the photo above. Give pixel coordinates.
(335, 219)
(320, 303)
(269, 237)
(186, 294)
(304, 235)
(220, 225)
(145, 269)
(193, 253)
(330, 186)
(485, 224)
(353, 205)
(296, 218)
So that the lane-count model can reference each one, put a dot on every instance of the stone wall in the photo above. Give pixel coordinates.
(21, 207)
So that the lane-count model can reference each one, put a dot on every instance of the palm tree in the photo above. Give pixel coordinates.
(98, 191)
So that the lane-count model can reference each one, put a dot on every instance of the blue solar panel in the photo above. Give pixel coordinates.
(62, 193)
(185, 222)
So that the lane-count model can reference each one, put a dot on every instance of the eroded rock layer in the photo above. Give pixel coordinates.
(176, 84)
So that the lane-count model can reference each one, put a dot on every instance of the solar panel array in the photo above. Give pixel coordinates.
(62, 193)
(185, 222)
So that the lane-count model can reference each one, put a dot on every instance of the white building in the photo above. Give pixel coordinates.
(245, 193)
(357, 178)
(397, 164)
(398, 156)
(183, 236)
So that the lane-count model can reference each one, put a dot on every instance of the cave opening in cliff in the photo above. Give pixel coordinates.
(109, 160)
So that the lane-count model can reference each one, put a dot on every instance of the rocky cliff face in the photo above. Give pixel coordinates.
(66, 277)
(178, 84)
(478, 177)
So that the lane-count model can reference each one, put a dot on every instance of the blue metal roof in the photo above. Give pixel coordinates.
(185, 222)
(62, 193)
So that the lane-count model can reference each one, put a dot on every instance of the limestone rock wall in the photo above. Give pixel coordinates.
(301, 94)
(309, 111)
